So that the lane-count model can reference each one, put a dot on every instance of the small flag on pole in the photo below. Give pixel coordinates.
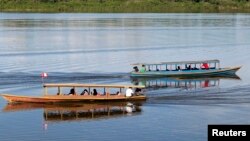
(44, 75)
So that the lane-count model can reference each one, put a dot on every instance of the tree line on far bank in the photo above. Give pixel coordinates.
(133, 6)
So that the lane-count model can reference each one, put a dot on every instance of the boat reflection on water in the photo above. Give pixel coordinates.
(91, 111)
(188, 83)
(79, 111)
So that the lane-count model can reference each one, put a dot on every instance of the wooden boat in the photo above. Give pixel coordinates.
(184, 68)
(107, 95)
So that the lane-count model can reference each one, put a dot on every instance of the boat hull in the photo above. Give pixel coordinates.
(67, 98)
(200, 72)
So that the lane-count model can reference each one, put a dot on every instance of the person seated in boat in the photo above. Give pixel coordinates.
(129, 92)
(189, 67)
(85, 92)
(102, 94)
(143, 68)
(186, 67)
(195, 68)
(72, 92)
(136, 69)
(205, 66)
(137, 91)
(118, 93)
(178, 68)
(95, 92)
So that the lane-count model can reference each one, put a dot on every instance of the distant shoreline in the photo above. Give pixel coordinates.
(126, 6)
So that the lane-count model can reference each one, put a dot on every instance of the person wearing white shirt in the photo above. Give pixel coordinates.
(129, 92)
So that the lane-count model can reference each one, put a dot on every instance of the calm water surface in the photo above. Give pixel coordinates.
(99, 48)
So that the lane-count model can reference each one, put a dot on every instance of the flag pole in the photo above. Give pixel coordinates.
(42, 80)
(43, 75)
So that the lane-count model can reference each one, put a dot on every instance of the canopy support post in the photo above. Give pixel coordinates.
(59, 91)
(45, 91)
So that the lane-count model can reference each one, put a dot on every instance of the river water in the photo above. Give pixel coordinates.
(99, 48)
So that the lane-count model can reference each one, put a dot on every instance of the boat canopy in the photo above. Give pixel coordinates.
(90, 85)
(181, 62)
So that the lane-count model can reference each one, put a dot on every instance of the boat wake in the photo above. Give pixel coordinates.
(234, 95)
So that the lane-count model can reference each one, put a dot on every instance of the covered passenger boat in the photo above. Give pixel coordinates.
(105, 92)
(184, 68)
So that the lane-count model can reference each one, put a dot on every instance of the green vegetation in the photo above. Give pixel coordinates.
(121, 6)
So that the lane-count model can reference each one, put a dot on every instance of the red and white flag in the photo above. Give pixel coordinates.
(44, 75)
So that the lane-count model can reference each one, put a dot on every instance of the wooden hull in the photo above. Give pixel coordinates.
(23, 106)
(210, 72)
(68, 98)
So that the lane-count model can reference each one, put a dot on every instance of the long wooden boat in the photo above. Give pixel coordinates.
(184, 68)
(107, 94)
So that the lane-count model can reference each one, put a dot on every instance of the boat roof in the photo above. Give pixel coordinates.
(90, 85)
(180, 62)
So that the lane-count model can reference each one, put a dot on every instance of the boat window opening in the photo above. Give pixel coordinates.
(167, 68)
(59, 91)
(96, 91)
(193, 67)
(108, 92)
(85, 91)
(54, 91)
(104, 91)
(116, 91)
